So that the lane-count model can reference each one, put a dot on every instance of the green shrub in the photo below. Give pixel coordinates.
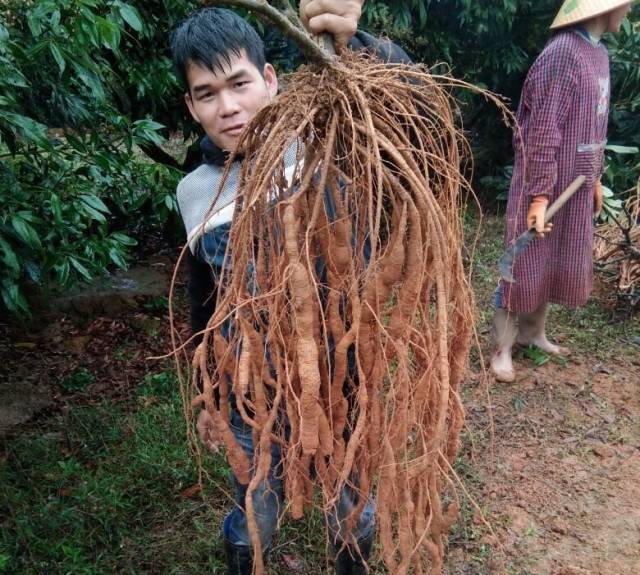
(493, 44)
(86, 88)
(74, 182)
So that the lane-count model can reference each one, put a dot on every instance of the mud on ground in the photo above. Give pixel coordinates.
(553, 460)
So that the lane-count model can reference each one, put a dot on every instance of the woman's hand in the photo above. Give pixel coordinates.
(598, 198)
(207, 431)
(536, 216)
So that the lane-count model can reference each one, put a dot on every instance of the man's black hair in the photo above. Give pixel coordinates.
(209, 37)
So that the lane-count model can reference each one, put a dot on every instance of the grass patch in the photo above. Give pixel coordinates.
(594, 329)
(102, 493)
(77, 380)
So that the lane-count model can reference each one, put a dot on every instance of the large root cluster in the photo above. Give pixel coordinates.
(344, 309)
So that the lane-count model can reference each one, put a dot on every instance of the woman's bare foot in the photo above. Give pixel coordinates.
(544, 344)
(502, 367)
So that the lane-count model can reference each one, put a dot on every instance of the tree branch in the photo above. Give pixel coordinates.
(288, 22)
(289, 11)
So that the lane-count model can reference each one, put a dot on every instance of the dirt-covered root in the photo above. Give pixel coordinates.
(343, 319)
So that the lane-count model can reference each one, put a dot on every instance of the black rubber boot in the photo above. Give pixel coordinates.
(240, 558)
(351, 561)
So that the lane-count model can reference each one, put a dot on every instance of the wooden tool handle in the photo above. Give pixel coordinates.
(563, 198)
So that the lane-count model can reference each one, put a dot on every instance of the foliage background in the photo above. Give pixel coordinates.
(492, 43)
(87, 97)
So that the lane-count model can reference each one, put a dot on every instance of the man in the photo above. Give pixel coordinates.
(220, 60)
(563, 120)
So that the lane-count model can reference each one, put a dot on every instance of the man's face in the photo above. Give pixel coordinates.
(224, 101)
(616, 18)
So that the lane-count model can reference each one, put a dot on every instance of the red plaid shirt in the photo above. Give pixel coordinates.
(563, 125)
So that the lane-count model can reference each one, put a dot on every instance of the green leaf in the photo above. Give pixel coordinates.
(55, 21)
(123, 239)
(148, 130)
(14, 77)
(622, 149)
(29, 216)
(30, 129)
(62, 272)
(25, 231)
(76, 143)
(109, 33)
(90, 80)
(58, 57)
(130, 16)
(13, 299)
(95, 202)
(170, 202)
(95, 214)
(116, 258)
(148, 124)
(536, 355)
(34, 24)
(80, 268)
(9, 257)
(91, 31)
(4, 33)
(56, 209)
(626, 26)
(102, 160)
(96, 175)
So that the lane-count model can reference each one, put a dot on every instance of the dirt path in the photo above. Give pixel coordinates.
(558, 476)
(561, 488)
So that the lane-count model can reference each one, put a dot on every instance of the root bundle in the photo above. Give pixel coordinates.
(343, 320)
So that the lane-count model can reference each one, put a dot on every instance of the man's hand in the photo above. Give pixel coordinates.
(536, 214)
(336, 17)
(208, 432)
(598, 198)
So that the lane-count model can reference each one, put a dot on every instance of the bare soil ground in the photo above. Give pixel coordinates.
(559, 482)
(553, 460)
(551, 463)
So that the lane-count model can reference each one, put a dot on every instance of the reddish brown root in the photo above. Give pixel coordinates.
(349, 307)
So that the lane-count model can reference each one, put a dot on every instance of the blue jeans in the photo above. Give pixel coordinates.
(498, 300)
(269, 496)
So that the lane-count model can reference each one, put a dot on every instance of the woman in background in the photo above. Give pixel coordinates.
(562, 116)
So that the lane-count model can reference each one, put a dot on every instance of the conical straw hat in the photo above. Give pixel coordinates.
(574, 11)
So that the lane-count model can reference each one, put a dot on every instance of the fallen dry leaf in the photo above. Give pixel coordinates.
(191, 491)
